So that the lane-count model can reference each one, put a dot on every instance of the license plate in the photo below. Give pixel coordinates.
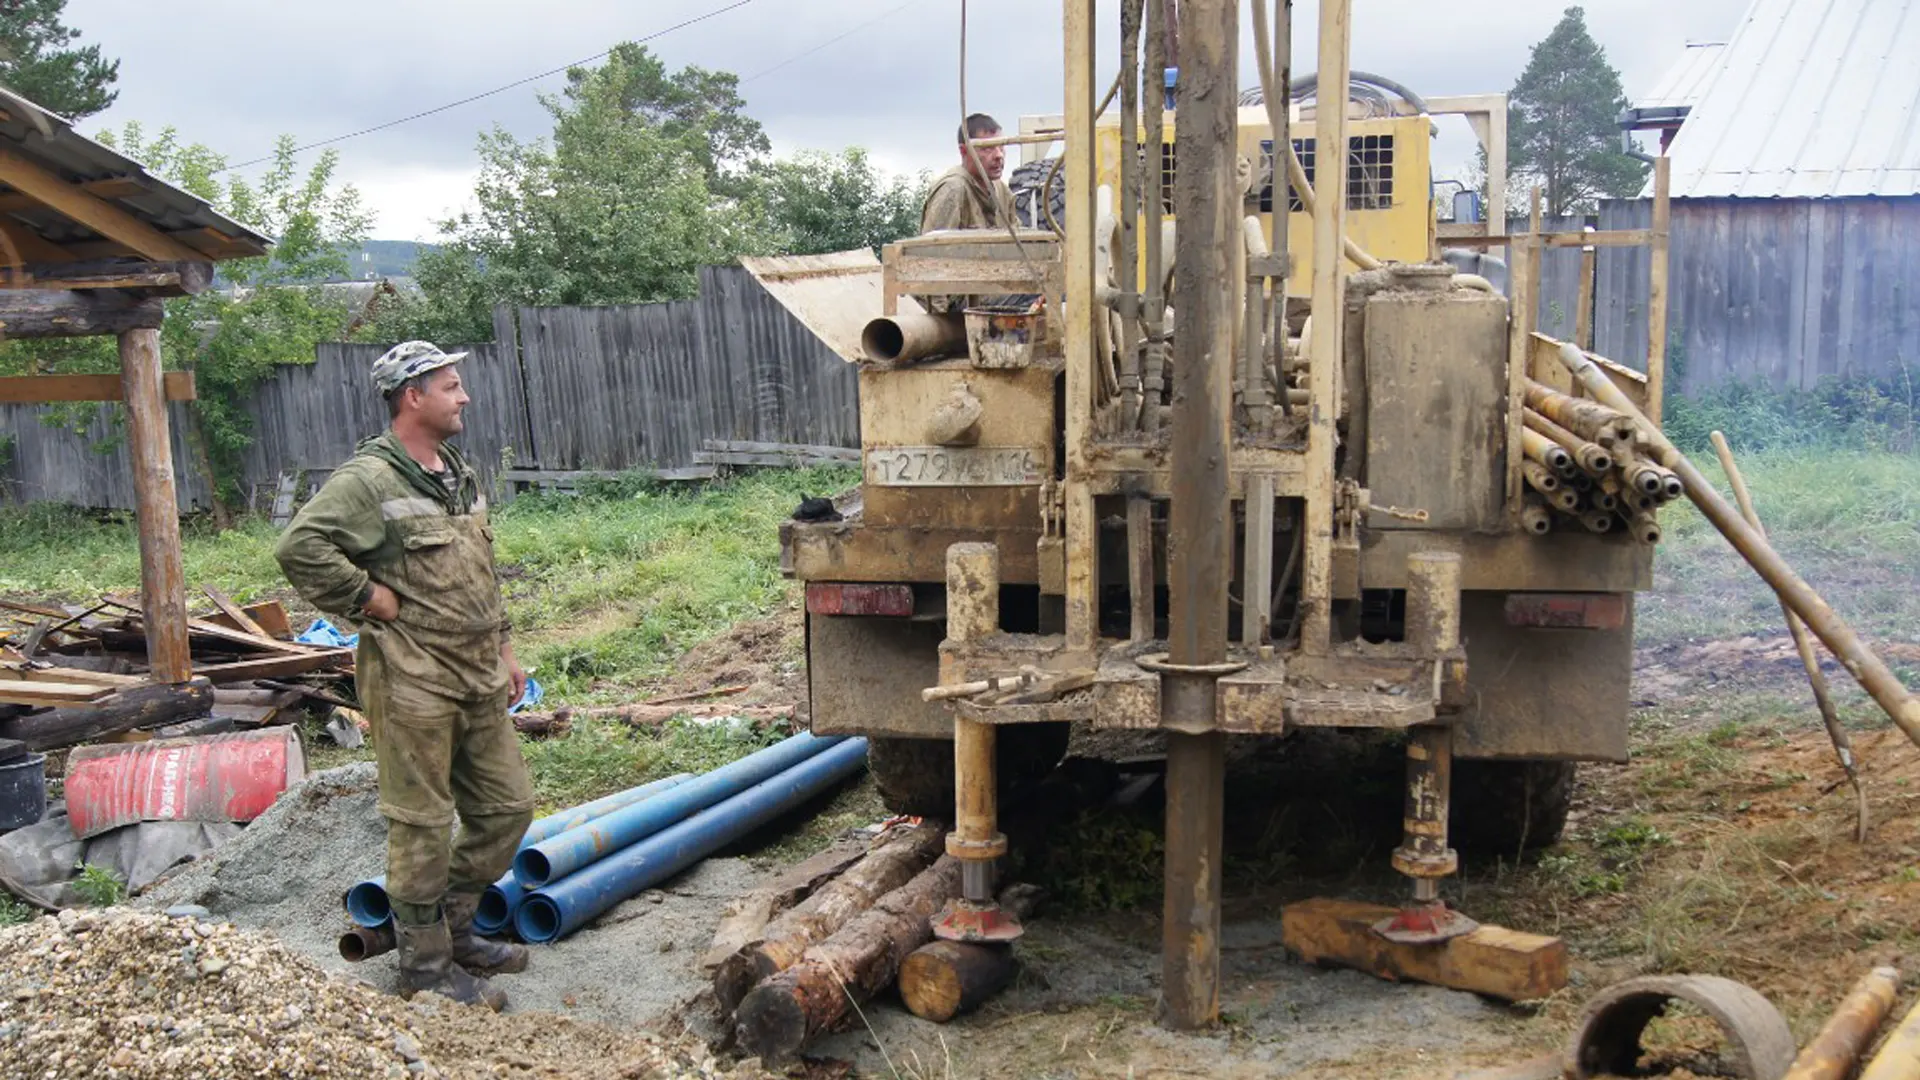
(953, 466)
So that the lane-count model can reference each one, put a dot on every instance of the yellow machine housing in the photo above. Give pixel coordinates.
(1389, 188)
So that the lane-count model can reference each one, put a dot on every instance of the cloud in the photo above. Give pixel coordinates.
(238, 73)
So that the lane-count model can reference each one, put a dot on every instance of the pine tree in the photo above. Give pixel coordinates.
(37, 63)
(1562, 127)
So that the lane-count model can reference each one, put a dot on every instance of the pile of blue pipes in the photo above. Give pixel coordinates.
(577, 863)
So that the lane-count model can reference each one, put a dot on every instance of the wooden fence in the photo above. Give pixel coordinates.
(1784, 292)
(559, 390)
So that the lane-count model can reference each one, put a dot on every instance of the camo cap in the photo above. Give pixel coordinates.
(407, 359)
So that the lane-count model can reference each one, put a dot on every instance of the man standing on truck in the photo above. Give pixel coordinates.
(397, 540)
(970, 195)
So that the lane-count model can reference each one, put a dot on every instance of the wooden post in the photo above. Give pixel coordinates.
(1657, 291)
(163, 589)
(1583, 304)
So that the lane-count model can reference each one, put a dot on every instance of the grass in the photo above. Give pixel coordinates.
(14, 912)
(605, 589)
(1848, 522)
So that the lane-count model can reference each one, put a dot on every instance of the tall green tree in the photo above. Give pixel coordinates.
(39, 60)
(818, 202)
(692, 102)
(1562, 122)
(615, 209)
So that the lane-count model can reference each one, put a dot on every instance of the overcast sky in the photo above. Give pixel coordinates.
(234, 74)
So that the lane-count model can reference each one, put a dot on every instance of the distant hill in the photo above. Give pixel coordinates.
(386, 258)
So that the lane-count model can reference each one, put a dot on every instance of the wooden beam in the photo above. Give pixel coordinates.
(1492, 960)
(45, 389)
(157, 279)
(90, 210)
(35, 692)
(113, 187)
(34, 313)
(24, 246)
(1610, 238)
(163, 588)
(233, 611)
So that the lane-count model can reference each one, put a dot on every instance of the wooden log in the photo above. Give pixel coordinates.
(747, 916)
(38, 313)
(891, 864)
(184, 278)
(781, 1015)
(148, 706)
(943, 979)
(1492, 960)
(276, 666)
(163, 585)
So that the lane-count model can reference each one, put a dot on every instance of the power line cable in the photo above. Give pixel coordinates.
(496, 90)
(836, 39)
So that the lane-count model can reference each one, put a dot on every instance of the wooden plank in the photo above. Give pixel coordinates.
(275, 667)
(44, 389)
(1492, 960)
(34, 692)
(90, 210)
(241, 620)
(826, 453)
(269, 615)
(59, 674)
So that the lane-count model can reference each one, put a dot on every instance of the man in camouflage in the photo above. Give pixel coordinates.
(397, 541)
(970, 195)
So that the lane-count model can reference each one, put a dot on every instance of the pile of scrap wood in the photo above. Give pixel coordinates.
(71, 674)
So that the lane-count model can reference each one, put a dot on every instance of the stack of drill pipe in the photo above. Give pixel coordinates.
(367, 904)
(1582, 471)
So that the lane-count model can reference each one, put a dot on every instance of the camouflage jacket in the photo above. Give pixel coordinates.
(383, 518)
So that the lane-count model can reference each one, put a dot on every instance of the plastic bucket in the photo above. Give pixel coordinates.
(232, 777)
(23, 791)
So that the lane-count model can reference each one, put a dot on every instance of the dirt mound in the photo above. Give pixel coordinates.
(131, 993)
(766, 655)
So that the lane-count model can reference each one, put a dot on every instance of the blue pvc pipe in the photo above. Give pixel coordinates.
(367, 903)
(556, 857)
(560, 908)
(499, 900)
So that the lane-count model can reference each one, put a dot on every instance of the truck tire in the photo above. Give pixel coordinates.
(915, 776)
(1026, 182)
(1502, 808)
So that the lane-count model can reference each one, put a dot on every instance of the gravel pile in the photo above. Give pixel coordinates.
(124, 993)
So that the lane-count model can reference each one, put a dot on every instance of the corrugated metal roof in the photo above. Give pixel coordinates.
(1814, 99)
(1684, 83)
(50, 141)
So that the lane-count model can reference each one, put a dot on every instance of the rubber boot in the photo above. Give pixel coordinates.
(482, 956)
(426, 963)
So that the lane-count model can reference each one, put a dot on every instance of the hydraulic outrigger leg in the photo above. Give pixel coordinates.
(973, 613)
(1433, 628)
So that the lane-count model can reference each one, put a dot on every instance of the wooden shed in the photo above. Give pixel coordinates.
(90, 243)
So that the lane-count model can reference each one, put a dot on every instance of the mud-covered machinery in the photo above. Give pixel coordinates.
(1232, 473)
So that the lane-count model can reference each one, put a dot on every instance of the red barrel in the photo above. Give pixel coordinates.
(231, 777)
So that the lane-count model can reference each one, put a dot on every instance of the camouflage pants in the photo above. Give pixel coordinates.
(442, 758)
